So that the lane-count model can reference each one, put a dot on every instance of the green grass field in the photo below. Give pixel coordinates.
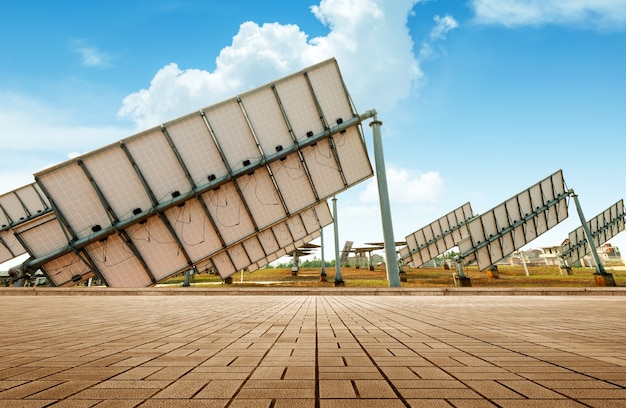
(509, 276)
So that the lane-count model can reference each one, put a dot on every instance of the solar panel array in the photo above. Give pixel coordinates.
(501, 231)
(17, 207)
(437, 237)
(602, 227)
(235, 185)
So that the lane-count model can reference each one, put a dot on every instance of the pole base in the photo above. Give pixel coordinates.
(462, 281)
(403, 277)
(604, 279)
(229, 280)
(323, 278)
(493, 273)
(339, 283)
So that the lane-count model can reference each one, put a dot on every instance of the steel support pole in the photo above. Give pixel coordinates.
(338, 278)
(393, 273)
(594, 253)
(323, 274)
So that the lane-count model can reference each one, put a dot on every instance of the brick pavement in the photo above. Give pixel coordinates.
(284, 351)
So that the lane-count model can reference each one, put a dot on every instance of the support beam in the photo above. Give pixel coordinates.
(602, 277)
(393, 273)
(338, 278)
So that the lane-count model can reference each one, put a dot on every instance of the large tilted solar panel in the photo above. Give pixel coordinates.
(437, 237)
(175, 195)
(499, 232)
(17, 207)
(602, 227)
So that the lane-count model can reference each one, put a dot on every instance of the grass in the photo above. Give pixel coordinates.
(509, 277)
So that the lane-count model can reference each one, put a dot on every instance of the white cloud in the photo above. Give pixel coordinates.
(369, 39)
(598, 14)
(405, 187)
(90, 56)
(443, 25)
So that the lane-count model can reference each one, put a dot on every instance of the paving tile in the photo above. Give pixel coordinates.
(19, 403)
(438, 393)
(167, 373)
(127, 403)
(539, 403)
(336, 389)
(531, 390)
(251, 403)
(276, 393)
(375, 389)
(63, 390)
(467, 403)
(428, 384)
(27, 389)
(492, 390)
(295, 403)
(603, 403)
(219, 389)
(359, 403)
(290, 384)
(169, 403)
(78, 404)
(115, 393)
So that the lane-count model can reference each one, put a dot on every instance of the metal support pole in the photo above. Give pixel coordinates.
(338, 279)
(393, 273)
(323, 274)
(523, 259)
(296, 263)
(594, 253)
(187, 283)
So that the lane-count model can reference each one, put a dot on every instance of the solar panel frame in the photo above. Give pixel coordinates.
(227, 123)
(75, 201)
(20, 205)
(164, 171)
(439, 236)
(107, 167)
(197, 148)
(507, 227)
(116, 260)
(602, 227)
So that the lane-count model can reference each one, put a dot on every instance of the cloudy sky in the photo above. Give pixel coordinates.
(479, 99)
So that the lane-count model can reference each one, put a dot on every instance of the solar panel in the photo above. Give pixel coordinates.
(44, 235)
(16, 207)
(438, 236)
(602, 227)
(509, 226)
(228, 187)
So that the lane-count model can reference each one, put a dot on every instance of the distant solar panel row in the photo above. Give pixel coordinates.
(437, 237)
(232, 186)
(602, 227)
(499, 232)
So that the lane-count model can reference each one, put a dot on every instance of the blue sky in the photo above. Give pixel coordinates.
(479, 99)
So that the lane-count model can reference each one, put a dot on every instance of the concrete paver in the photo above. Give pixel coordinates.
(312, 351)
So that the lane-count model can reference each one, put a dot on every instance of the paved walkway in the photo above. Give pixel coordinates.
(312, 351)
